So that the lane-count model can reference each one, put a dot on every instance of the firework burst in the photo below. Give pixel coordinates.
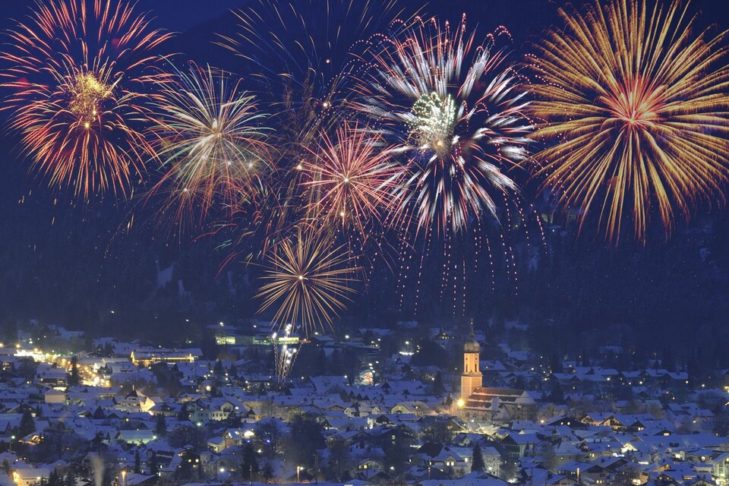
(78, 72)
(351, 179)
(308, 281)
(299, 54)
(209, 138)
(454, 109)
(635, 111)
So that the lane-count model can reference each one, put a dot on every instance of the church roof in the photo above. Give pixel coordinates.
(471, 346)
(486, 397)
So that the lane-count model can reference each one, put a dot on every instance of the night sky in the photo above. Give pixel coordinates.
(69, 262)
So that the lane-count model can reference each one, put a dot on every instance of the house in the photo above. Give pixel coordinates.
(416, 408)
(216, 444)
(54, 396)
(149, 356)
(720, 468)
(133, 402)
(221, 409)
(492, 460)
(452, 461)
(25, 475)
(236, 437)
(519, 445)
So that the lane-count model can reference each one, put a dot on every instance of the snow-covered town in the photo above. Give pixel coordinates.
(364, 242)
(382, 406)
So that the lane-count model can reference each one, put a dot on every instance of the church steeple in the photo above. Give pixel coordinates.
(471, 345)
(471, 377)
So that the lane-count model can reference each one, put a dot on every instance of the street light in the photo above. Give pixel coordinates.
(298, 473)
(124, 477)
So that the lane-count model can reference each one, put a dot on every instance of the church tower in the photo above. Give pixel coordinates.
(471, 377)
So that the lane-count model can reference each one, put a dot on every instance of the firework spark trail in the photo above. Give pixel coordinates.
(401, 274)
(455, 110)
(350, 179)
(209, 136)
(284, 353)
(635, 113)
(492, 270)
(301, 59)
(421, 264)
(463, 293)
(299, 62)
(79, 76)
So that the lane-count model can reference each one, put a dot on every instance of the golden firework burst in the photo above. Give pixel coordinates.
(634, 112)
(308, 281)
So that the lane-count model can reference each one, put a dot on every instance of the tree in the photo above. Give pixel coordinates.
(55, 479)
(184, 413)
(336, 363)
(9, 331)
(305, 438)
(218, 369)
(556, 394)
(249, 466)
(438, 387)
(269, 431)
(70, 478)
(137, 462)
(477, 463)
(188, 435)
(267, 472)
(108, 350)
(160, 427)
(439, 431)
(234, 420)
(555, 363)
(321, 362)
(97, 443)
(167, 378)
(430, 354)
(396, 447)
(27, 424)
(338, 458)
(188, 466)
(153, 463)
(208, 346)
(549, 457)
(73, 377)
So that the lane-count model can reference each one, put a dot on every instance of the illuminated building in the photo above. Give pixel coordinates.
(150, 357)
(488, 403)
